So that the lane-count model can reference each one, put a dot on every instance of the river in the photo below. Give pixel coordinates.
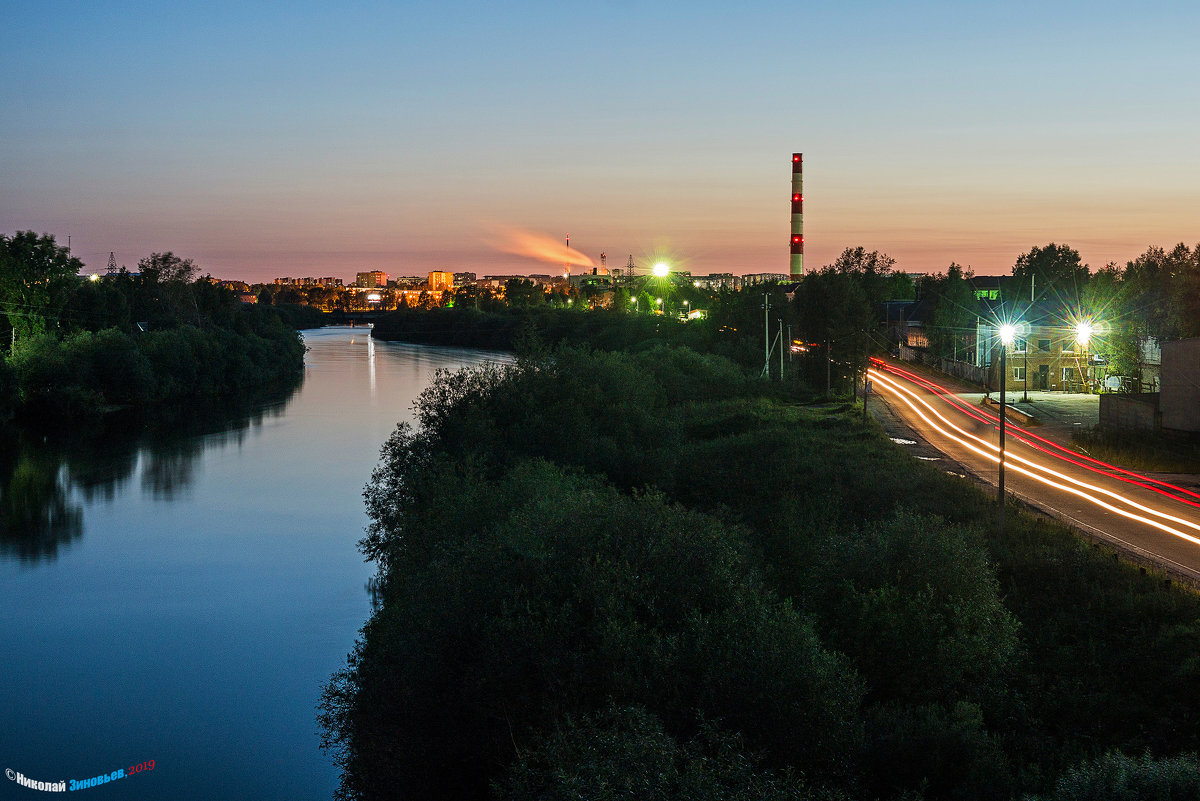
(182, 596)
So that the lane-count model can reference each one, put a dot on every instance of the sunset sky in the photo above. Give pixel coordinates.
(313, 139)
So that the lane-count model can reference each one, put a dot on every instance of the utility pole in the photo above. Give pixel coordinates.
(789, 342)
(1003, 409)
(766, 336)
(866, 372)
(828, 366)
(781, 351)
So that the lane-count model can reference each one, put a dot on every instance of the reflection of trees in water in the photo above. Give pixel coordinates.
(36, 514)
(40, 471)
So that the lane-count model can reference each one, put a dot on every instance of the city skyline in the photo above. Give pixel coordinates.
(304, 140)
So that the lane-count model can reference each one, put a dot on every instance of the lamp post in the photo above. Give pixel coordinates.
(1007, 332)
(1083, 333)
(1025, 396)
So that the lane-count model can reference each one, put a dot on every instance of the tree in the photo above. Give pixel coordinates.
(163, 267)
(875, 272)
(953, 311)
(36, 279)
(1054, 271)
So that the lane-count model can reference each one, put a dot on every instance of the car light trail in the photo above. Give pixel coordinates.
(1060, 452)
(991, 453)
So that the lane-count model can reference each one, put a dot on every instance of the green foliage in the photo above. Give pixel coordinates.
(302, 317)
(513, 602)
(1163, 299)
(1117, 777)
(88, 373)
(953, 311)
(947, 752)
(36, 279)
(915, 604)
(625, 753)
(966, 666)
(1055, 271)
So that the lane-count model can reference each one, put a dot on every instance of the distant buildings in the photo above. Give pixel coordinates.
(372, 279)
(751, 279)
(325, 282)
(440, 281)
(716, 281)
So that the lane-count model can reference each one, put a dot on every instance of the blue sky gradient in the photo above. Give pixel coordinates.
(321, 139)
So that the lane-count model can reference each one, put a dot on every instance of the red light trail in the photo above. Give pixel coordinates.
(1047, 462)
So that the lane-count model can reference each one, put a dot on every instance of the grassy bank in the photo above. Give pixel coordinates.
(1145, 451)
(599, 566)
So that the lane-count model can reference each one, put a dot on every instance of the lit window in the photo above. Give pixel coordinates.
(1018, 373)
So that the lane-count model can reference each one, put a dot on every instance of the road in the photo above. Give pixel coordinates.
(1146, 516)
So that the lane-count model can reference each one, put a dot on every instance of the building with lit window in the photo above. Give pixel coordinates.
(372, 279)
(1053, 349)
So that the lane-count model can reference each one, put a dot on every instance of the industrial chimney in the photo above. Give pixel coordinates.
(797, 267)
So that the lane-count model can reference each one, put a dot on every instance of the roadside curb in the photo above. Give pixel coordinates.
(1013, 411)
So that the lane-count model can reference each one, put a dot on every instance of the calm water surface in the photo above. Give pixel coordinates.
(183, 597)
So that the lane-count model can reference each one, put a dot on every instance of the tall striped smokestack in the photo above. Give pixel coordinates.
(797, 269)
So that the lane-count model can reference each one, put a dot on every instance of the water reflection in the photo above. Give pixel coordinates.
(45, 477)
(36, 513)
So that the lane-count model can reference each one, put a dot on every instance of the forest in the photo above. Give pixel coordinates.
(647, 573)
(74, 349)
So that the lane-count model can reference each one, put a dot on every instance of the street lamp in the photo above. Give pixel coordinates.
(659, 302)
(1083, 333)
(661, 270)
(1007, 334)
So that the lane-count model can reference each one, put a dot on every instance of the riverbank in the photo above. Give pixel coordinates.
(88, 373)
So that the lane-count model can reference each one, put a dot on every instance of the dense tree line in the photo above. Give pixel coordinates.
(626, 575)
(78, 347)
(833, 311)
(1156, 295)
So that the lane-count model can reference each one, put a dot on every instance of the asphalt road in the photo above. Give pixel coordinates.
(1147, 516)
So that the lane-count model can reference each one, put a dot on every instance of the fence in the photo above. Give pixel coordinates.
(963, 370)
(1129, 412)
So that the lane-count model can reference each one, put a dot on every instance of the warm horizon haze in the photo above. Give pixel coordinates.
(303, 139)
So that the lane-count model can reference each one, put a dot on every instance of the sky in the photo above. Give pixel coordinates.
(322, 139)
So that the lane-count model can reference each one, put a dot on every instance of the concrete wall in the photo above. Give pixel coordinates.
(1129, 412)
(1180, 402)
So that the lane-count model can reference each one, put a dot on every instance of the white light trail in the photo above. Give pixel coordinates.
(993, 455)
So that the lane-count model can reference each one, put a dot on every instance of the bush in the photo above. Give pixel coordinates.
(625, 753)
(1117, 777)
(915, 604)
(511, 603)
(55, 381)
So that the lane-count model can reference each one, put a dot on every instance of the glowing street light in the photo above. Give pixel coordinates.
(661, 270)
(1007, 333)
(1083, 333)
